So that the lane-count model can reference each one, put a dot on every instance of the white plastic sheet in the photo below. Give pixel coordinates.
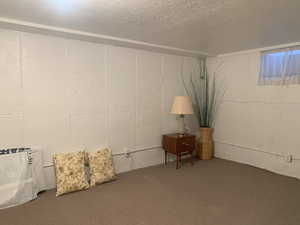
(20, 180)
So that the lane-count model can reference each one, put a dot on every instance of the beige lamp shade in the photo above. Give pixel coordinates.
(182, 105)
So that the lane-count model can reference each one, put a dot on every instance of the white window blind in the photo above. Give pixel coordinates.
(280, 67)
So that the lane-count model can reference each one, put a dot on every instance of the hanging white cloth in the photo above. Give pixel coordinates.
(280, 66)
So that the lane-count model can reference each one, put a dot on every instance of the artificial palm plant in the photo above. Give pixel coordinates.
(206, 98)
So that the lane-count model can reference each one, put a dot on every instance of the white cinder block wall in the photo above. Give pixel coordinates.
(61, 95)
(256, 125)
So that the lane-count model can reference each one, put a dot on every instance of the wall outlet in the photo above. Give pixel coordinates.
(289, 158)
(127, 152)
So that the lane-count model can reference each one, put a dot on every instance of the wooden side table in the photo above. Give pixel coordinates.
(178, 145)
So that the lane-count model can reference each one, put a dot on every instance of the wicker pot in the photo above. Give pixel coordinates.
(205, 143)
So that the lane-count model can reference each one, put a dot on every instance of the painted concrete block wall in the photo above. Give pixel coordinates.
(61, 95)
(256, 125)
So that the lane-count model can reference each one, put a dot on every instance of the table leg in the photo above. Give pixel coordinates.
(166, 157)
(192, 158)
(177, 161)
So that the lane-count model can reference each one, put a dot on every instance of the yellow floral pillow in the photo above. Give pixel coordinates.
(70, 172)
(101, 167)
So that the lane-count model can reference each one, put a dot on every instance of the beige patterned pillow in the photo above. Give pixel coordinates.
(101, 167)
(70, 172)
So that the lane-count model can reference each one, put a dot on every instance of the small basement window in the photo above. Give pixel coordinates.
(280, 67)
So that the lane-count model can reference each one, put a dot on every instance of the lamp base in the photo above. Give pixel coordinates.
(181, 129)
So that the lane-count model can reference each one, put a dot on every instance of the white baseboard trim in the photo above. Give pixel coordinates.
(259, 158)
(247, 148)
(50, 164)
(139, 158)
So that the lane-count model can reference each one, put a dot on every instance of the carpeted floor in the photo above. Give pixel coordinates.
(216, 192)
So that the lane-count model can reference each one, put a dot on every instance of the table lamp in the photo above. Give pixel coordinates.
(182, 105)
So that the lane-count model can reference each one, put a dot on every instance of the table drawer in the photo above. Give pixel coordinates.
(179, 145)
(186, 144)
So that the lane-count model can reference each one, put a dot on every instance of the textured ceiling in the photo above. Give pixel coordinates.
(213, 26)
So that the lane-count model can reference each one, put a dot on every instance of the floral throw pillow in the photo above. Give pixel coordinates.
(70, 172)
(101, 167)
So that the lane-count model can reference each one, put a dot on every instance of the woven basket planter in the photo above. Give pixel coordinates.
(205, 143)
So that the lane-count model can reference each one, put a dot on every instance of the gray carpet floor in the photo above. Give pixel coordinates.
(216, 192)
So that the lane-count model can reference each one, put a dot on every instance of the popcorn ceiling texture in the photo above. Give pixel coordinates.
(214, 26)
